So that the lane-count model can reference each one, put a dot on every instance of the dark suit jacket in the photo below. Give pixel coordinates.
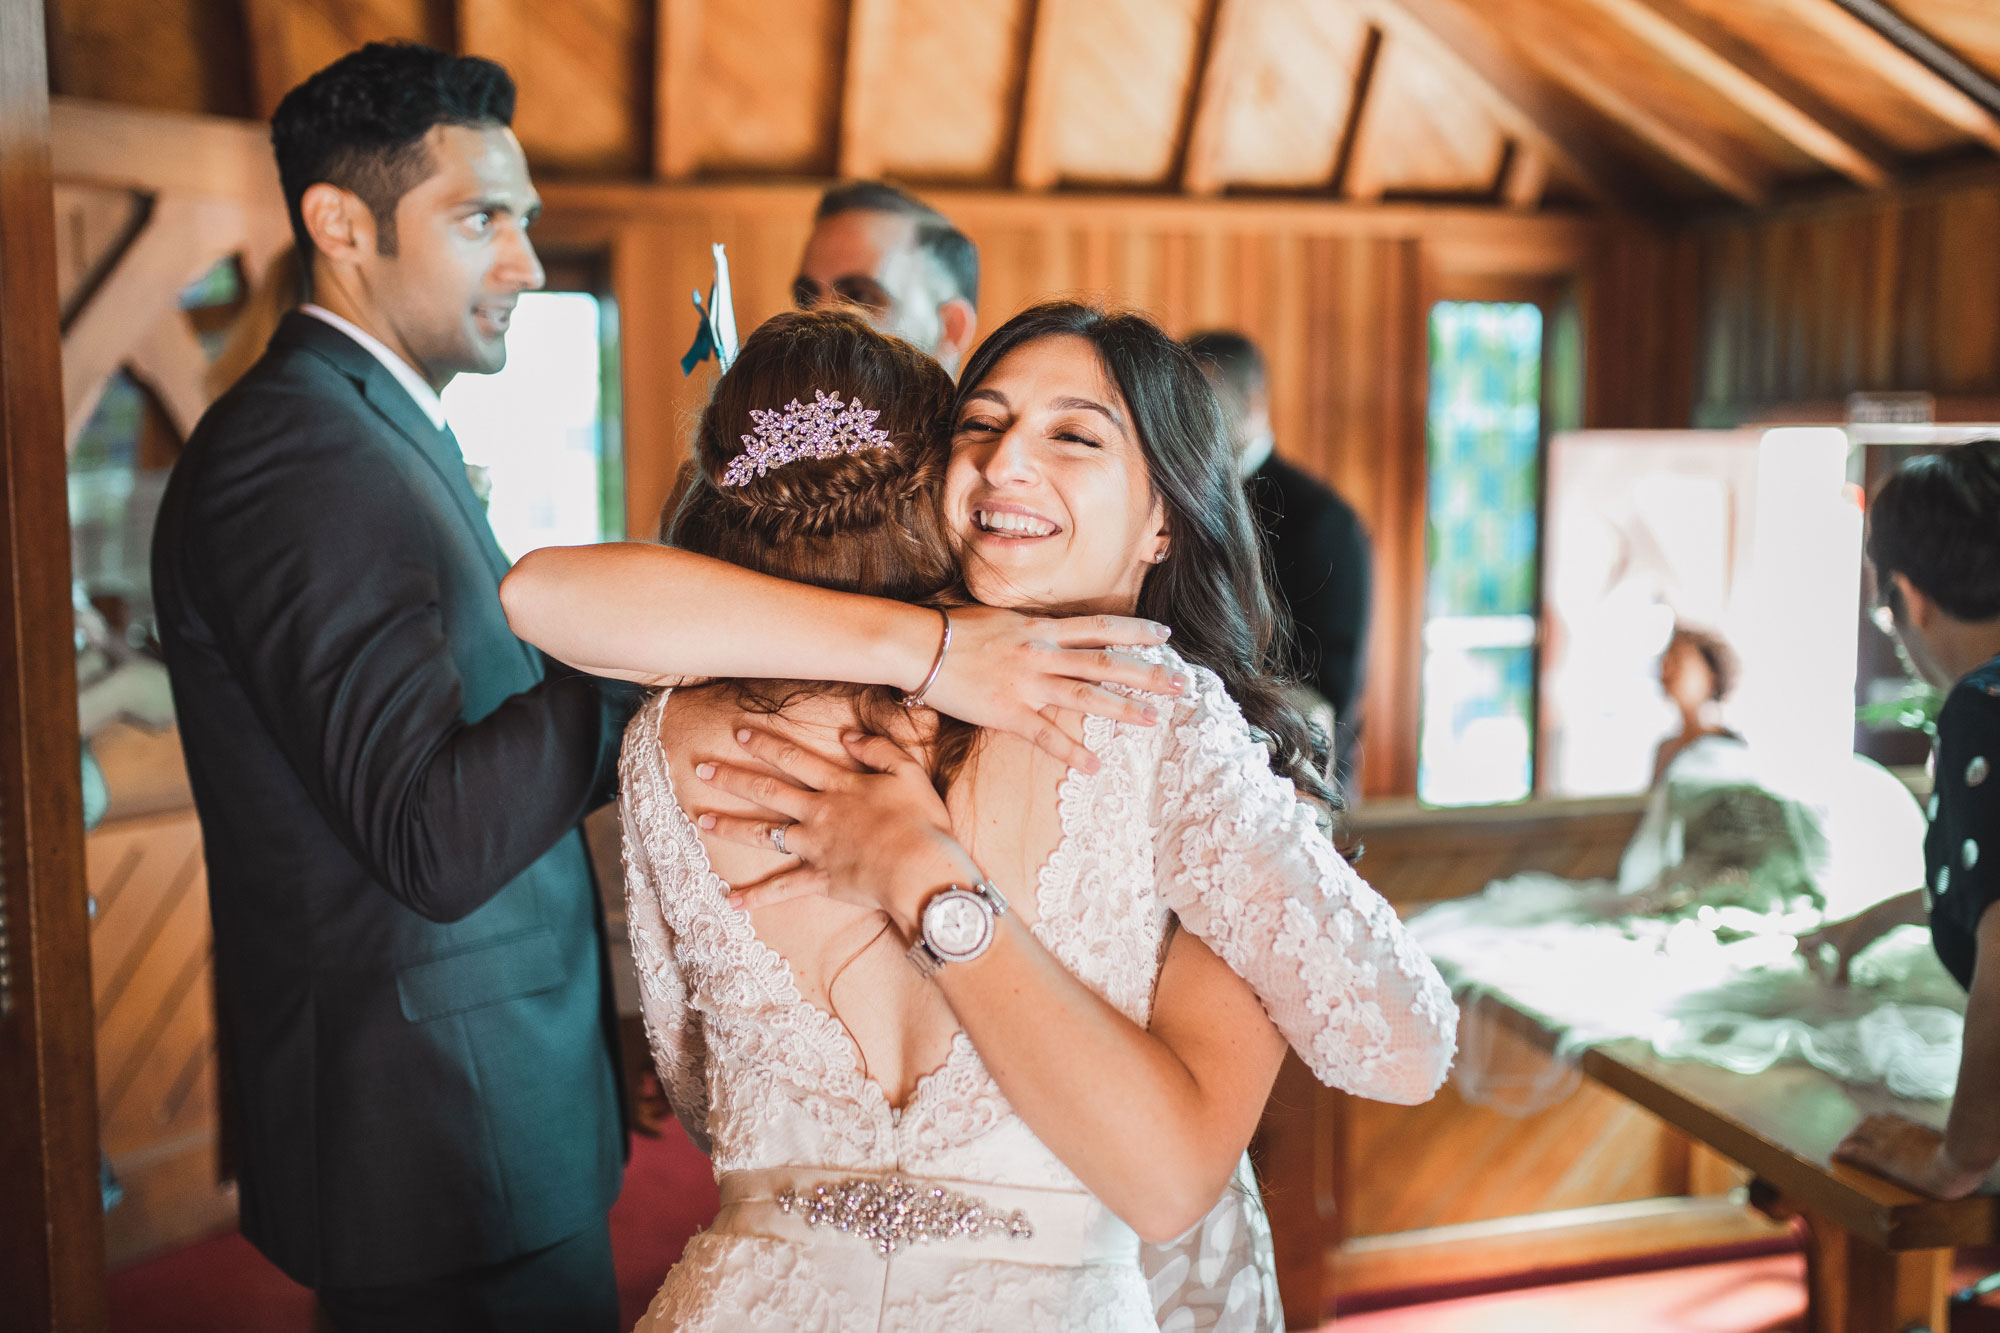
(409, 949)
(1319, 551)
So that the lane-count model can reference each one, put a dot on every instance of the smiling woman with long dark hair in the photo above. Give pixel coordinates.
(1056, 1049)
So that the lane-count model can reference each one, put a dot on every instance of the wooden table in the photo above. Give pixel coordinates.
(1878, 1256)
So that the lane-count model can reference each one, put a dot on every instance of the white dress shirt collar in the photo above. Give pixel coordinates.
(421, 393)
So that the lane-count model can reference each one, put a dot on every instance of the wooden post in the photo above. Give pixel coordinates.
(52, 1228)
(1855, 1287)
(1294, 1151)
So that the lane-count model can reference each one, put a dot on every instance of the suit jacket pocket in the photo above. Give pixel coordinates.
(480, 974)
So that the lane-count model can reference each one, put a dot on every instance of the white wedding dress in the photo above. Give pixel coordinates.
(956, 1216)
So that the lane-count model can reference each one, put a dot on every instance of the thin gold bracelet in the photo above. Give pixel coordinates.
(916, 697)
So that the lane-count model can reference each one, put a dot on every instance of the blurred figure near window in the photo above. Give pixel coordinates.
(1318, 548)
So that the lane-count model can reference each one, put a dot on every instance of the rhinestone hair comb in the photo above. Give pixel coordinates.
(825, 429)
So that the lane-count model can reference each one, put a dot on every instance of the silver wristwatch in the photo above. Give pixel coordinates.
(957, 925)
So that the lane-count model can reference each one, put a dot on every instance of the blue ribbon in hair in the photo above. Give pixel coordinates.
(716, 334)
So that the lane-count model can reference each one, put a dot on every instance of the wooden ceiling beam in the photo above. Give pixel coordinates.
(1733, 69)
(1034, 141)
(1532, 108)
(1698, 148)
(1911, 61)
(869, 64)
(1524, 178)
(1214, 83)
(1341, 179)
(676, 91)
(265, 32)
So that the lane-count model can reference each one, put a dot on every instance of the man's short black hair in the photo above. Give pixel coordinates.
(1936, 521)
(1232, 358)
(948, 247)
(360, 124)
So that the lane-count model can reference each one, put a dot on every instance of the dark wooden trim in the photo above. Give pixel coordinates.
(52, 1228)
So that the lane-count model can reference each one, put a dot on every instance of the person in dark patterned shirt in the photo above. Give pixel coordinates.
(1934, 538)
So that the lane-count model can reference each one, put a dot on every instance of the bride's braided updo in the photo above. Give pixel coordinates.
(866, 521)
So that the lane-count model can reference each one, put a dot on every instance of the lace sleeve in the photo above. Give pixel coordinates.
(673, 1026)
(1246, 868)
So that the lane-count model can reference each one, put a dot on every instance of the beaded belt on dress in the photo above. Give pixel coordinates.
(891, 1212)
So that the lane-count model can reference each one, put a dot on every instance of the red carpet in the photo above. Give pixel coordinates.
(222, 1285)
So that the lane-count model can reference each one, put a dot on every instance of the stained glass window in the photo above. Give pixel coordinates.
(1477, 725)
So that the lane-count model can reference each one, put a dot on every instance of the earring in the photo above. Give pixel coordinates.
(1160, 556)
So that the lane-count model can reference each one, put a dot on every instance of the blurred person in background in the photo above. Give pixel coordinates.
(1934, 539)
(898, 263)
(1319, 550)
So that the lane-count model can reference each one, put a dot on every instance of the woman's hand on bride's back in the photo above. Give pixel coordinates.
(1016, 673)
(877, 835)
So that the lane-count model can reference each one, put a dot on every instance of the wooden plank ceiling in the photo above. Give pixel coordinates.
(1650, 105)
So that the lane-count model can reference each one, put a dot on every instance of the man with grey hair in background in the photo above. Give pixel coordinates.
(1319, 549)
(897, 262)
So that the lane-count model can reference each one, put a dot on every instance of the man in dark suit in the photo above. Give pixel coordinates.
(1318, 546)
(409, 951)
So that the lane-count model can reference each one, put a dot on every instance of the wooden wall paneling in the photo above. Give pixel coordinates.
(770, 87)
(183, 238)
(1739, 72)
(1524, 178)
(1283, 123)
(1298, 1150)
(1640, 314)
(1838, 22)
(1967, 334)
(1034, 137)
(1814, 302)
(1450, 1161)
(1423, 133)
(1531, 107)
(1683, 121)
(676, 89)
(170, 55)
(1123, 92)
(289, 40)
(1285, 347)
(865, 73)
(649, 303)
(1965, 26)
(170, 360)
(93, 224)
(946, 107)
(1881, 264)
(1402, 376)
(585, 71)
(51, 1230)
(1215, 86)
(1786, 33)
(111, 146)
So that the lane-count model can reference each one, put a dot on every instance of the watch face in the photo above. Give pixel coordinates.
(957, 924)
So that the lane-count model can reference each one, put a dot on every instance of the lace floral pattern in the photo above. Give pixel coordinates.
(1183, 819)
(1245, 867)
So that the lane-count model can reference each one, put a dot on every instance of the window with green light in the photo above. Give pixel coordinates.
(1476, 735)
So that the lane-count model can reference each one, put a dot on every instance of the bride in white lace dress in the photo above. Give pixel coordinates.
(1094, 1074)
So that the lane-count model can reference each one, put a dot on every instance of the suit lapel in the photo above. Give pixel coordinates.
(392, 402)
